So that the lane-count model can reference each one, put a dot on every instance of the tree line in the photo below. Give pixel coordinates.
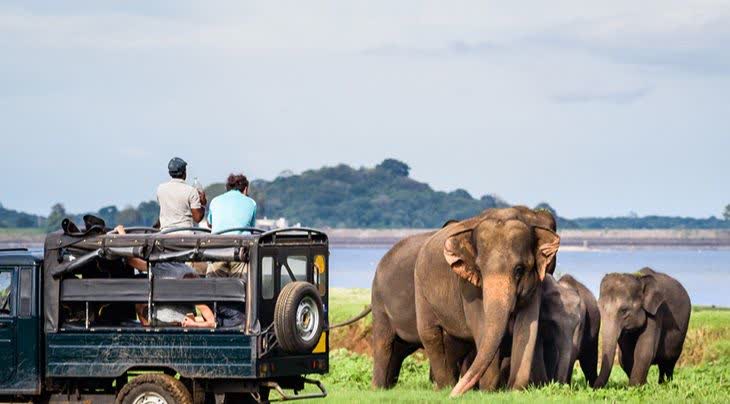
(383, 196)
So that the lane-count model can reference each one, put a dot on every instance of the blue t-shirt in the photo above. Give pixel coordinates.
(230, 210)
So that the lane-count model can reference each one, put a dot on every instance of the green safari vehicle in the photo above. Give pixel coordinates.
(73, 326)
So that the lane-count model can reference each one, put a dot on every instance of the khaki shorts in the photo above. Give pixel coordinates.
(227, 270)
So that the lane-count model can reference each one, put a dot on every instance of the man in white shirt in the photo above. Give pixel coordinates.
(181, 205)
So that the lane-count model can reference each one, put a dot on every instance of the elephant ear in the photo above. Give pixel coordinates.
(461, 254)
(653, 296)
(546, 248)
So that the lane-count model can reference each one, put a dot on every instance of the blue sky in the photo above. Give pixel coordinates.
(599, 109)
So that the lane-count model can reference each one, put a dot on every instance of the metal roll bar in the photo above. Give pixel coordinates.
(179, 229)
(136, 229)
(309, 232)
(251, 229)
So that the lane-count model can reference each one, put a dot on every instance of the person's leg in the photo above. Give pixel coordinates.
(238, 269)
(219, 269)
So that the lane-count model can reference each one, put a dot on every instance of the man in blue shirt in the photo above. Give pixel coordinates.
(231, 210)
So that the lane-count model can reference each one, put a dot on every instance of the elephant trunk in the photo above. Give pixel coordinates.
(498, 304)
(609, 334)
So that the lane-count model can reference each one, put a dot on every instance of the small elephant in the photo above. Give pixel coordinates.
(588, 351)
(560, 332)
(568, 329)
(646, 314)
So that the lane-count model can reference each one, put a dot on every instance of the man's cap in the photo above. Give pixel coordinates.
(176, 165)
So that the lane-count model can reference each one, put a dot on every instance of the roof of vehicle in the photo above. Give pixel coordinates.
(20, 256)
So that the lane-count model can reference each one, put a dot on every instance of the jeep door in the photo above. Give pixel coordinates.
(7, 325)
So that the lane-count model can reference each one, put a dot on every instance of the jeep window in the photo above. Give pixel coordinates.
(26, 292)
(6, 293)
(294, 269)
(267, 277)
(320, 274)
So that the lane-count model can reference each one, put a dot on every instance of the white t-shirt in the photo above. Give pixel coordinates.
(176, 199)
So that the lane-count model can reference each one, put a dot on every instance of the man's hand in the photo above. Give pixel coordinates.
(120, 229)
(203, 199)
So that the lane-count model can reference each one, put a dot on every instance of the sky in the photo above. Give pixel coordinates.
(600, 109)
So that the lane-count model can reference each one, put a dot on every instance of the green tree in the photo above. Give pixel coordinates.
(726, 213)
(109, 215)
(58, 213)
(395, 167)
(148, 212)
(128, 217)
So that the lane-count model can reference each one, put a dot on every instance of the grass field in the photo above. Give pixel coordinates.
(703, 375)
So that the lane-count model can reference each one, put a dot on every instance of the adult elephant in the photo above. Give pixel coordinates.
(646, 314)
(470, 279)
(395, 335)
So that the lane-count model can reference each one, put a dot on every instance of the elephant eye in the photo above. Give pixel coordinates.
(519, 271)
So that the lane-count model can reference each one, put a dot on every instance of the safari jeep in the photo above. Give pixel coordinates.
(70, 328)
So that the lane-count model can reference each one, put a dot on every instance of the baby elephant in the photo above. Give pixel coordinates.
(568, 331)
(646, 314)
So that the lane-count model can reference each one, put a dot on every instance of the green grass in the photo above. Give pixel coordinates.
(704, 374)
(347, 303)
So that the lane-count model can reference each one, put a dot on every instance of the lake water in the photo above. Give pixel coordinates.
(704, 273)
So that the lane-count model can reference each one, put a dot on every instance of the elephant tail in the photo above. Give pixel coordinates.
(355, 319)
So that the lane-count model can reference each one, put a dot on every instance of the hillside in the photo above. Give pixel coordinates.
(380, 197)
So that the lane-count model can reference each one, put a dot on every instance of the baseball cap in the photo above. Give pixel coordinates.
(176, 165)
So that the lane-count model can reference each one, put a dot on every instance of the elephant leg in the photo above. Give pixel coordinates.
(389, 351)
(575, 349)
(644, 352)
(552, 355)
(432, 338)
(662, 374)
(466, 362)
(401, 350)
(383, 339)
(588, 358)
(539, 372)
(457, 352)
(666, 369)
(504, 371)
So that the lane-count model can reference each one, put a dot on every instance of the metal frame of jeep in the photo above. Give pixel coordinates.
(94, 360)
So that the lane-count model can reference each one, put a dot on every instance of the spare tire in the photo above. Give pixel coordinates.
(298, 317)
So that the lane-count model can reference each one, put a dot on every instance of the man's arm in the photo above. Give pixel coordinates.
(198, 214)
(197, 202)
(134, 262)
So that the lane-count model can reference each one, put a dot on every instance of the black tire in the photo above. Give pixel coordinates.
(298, 335)
(164, 386)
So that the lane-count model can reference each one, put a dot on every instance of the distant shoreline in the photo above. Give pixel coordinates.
(571, 240)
